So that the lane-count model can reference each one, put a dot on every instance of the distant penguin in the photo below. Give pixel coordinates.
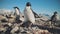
(55, 17)
(18, 14)
(28, 14)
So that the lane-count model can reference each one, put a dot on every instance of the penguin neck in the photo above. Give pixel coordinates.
(28, 6)
(16, 10)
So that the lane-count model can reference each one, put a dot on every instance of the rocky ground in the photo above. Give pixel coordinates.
(9, 26)
(16, 29)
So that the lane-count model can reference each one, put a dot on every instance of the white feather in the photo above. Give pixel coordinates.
(17, 11)
(28, 14)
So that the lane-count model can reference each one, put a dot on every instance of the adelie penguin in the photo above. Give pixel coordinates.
(54, 18)
(18, 14)
(28, 15)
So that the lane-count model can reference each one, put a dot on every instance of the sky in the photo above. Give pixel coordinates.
(38, 6)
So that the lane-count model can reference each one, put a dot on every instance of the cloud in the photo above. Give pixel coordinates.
(5, 11)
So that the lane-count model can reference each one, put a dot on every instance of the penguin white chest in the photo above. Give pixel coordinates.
(17, 11)
(57, 17)
(28, 14)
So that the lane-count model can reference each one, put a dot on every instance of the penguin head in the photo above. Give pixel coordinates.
(16, 8)
(28, 4)
(55, 13)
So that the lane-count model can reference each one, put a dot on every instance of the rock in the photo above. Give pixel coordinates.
(9, 24)
(14, 29)
(41, 32)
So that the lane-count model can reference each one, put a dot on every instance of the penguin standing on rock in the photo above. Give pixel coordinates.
(18, 14)
(54, 18)
(29, 18)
